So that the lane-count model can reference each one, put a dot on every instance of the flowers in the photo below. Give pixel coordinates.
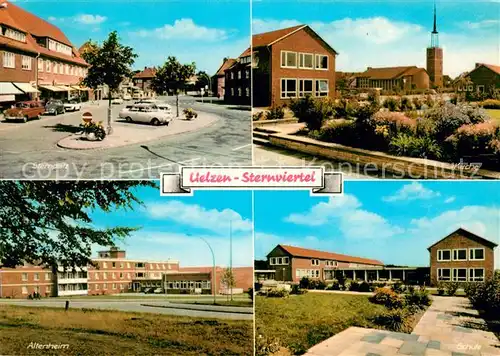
(94, 128)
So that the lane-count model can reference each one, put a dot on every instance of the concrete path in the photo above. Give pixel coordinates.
(448, 328)
(125, 133)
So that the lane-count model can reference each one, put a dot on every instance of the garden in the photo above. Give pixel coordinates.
(292, 321)
(419, 127)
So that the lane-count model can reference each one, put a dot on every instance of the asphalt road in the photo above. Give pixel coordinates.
(29, 150)
(132, 305)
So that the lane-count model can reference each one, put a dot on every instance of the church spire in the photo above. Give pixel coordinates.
(435, 22)
(434, 33)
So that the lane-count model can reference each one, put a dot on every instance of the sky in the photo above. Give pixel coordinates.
(392, 33)
(203, 32)
(392, 221)
(173, 227)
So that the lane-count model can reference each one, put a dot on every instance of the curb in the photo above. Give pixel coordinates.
(187, 307)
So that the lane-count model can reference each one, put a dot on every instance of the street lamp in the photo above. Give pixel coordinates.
(214, 281)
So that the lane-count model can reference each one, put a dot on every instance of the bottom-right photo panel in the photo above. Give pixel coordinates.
(388, 268)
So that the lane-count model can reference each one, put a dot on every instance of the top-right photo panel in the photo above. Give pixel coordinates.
(394, 89)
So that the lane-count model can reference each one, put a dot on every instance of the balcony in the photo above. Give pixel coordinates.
(72, 292)
(71, 280)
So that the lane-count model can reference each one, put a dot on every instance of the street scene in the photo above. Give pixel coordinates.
(176, 278)
(123, 101)
(378, 90)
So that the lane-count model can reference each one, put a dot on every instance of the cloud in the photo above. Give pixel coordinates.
(480, 25)
(450, 200)
(88, 19)
(345, 211)
(199, 217)
(267, 25)
(184, 29)
(412, 191)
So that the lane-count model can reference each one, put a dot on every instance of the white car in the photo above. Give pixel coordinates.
(146, 113)
(117, 101)
(73, 105)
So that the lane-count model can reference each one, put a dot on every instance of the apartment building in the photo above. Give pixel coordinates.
(393, 78)
(291, 63)
(462, 257)
(237, 82)
(36, 58)
(142, 81)
(219, 79)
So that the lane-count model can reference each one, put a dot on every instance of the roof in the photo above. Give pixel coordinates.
(33, 26)
(228, 62)
(493, 68)
(305, 252)
(146, 73)
(390, 72)
(469, 235)
(270, 38)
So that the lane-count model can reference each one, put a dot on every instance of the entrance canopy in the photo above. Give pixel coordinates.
(53, 88)
(76, 87)
(7, 88)
(26, 87)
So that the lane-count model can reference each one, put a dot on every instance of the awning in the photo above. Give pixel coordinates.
(75, 87)
(26, 87)
(64, 87)
(52, 88)
(7, 88)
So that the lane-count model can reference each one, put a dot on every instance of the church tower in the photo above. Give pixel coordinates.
(435, 57)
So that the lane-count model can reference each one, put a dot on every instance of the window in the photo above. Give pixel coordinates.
(321, 62)
(97, 286)
(24, 276)
(105, 286)
(470, 88)
(9, 60)
(114, 285)
(239, 91)
(59, 47)
(36, 276)
(96, 275)
(114, 264)
(460, 254)
(239, 74)
(25, 290)
(460, 274)
(128, 264)
(247, 91)
(48, 66)
(273, 261)
(105, 265)
(322, 87)
(288, 59)
(305, 87)
(247, 73)
(113, 275)
(444, 255)
(121, 286)
(315, 262)
(104, 275)
(444, 274)
(128, 275)
(476, 274)
(306, 61)
(476, 254)
(288, 88)
(66, 69)
(480, 88)
(232, 91)
(47, 290)
(121, 275)
(121, 265)
(15, 35)
(26, 63)
(47, 276)
(40, 64)
(232, 75)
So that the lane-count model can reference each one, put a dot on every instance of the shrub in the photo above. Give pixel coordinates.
(490, 104)
(278, 293)
(392, 104)
(474, 140)
(454, 99)
(486, 295)
(250, 293)
(417, 103)
(374, 96)
(266, 346)
(406, 104)
(258, 116)
(429, 101)
(425, 127)
(354, 286)
(364, 287)
(313, 111)
(398, 287)
(335, 285)
(451, 288)
(395, 320)
(190, 113)
(297, 290)
(304, 283)
(395, 122)
(362, 113)
(316, 284)
(340, 131)
(440, 289)
(419, 298)
(388, 298)
(411, 146)
(275, 113)
(341, 279)
(447, 119)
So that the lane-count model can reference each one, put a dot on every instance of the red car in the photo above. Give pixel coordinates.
(25, 110)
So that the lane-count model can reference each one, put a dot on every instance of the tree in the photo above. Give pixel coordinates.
(172, 76)
(203, 80)
(48, 222)
(227, 279)
(109, 63)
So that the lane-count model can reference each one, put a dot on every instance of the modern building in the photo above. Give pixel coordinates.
(483, 78)
(36, 58)
(237, 82)
(462, 257)
(142, 81)
(291, 63)
(393, 78)
(218, 80)
(435, 57)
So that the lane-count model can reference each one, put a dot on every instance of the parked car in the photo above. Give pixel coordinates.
(147, 113)
(127, 97)
(54, 107)
(117, 101)
(73, 105)
(25, 110)
(137, 95)
(158, 291)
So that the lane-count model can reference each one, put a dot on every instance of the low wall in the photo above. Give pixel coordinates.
(262, 123)
(370, 162)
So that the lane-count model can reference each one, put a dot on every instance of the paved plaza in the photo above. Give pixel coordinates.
(450, 327)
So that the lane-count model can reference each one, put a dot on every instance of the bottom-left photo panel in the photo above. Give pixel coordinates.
(113, 268)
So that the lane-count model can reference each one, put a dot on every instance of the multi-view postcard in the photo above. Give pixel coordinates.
(250, 178)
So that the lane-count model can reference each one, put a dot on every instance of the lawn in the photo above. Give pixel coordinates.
(225, 303)
(301, 321)
(494, 115)
(120, 333)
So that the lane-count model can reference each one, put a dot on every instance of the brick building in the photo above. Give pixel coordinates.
(218, 80)
(393, 78)
(36, 58)
(142, 81)
(237, 82)
(291, 63)
(484, 78)
(462, 257)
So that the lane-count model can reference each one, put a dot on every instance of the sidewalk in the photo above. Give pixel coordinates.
(132, 133)
(450, 327)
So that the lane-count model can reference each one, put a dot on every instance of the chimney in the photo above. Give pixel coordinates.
(368, 68)
(4, 5)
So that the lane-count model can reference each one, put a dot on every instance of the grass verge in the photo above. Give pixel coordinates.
(98, 332)
(222, 303)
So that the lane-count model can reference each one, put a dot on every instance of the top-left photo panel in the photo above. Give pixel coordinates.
(123, 90)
